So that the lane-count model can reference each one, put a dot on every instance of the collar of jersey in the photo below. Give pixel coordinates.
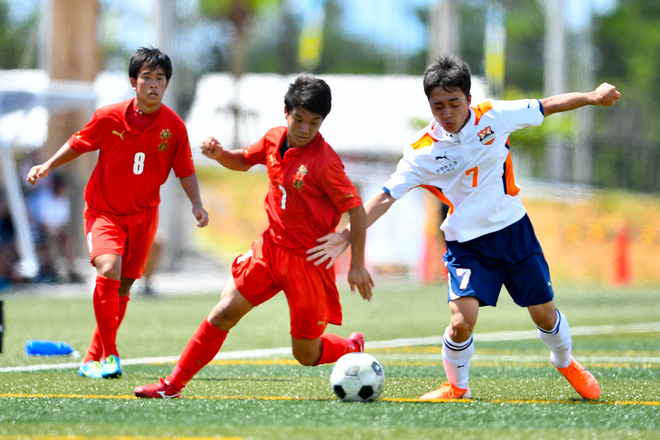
(440, 135)
(131, 130)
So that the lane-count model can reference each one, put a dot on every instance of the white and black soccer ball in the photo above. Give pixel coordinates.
(357, 377)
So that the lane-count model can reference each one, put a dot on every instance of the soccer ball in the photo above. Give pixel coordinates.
(357, 377)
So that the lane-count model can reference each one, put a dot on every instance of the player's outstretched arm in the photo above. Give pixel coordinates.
(191, 187)
(64, 154)
(231, 159)
(358, 276)
(605, 95)
(332, 245)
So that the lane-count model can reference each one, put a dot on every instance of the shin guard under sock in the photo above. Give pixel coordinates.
(456, 358)
(95, 350)
(334, 347)
(106, 310)
(559, 341)
(200, 350)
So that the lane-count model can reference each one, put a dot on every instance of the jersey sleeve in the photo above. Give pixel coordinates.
(87, 139)
(256, 153)
(183, 165)
(405, 177)
(520, 113)
(339, 187)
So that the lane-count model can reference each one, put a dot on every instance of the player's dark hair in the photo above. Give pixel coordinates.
(449, 72)
(309, 92)
(151, 58)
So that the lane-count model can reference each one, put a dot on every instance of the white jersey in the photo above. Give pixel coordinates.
(471, 171)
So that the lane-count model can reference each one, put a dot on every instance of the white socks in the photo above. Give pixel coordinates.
(558, 341)
(456, 360)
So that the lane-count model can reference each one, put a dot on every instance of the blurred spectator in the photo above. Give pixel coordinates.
(8, 253)
(50, 211)
(152, 264)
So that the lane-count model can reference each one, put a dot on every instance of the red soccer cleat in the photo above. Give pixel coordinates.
(358, 339)
(160, 390)
(583, 381)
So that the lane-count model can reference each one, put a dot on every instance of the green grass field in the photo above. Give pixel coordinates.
(517, 394)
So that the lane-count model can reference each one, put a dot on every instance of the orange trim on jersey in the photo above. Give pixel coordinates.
(425, 141)
(439, 194)
(510, 186)
(481, 110)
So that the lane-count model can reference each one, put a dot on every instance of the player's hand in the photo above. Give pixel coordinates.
(212, 148)
(330, 248)
(606, 94)
(37, 172)
(201, 215)
(359, 277)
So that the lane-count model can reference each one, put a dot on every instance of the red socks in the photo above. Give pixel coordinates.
(335, 347)
(95, 350)
(200, 350)
(106, 309)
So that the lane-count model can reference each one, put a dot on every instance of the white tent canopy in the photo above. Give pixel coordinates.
(370, 114)
(26, 100)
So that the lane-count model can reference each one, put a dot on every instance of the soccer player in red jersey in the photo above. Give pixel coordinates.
(307, 194)
(139, 141)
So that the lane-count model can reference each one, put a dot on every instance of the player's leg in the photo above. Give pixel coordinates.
(326, 349)
(203, 345)
(556, 334)
(106, 239)
(457, 350)
(528, 282)
(313, 299)
(95, 350)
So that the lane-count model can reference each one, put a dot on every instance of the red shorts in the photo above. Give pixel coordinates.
(311, 291)
(130, 236)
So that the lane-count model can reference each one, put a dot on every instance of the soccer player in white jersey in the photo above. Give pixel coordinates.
(463, 158)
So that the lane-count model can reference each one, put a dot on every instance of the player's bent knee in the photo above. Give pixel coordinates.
(306, 355)
(460, 331)
(306, 359)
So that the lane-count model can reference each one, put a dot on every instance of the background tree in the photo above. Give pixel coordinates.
(16, 40)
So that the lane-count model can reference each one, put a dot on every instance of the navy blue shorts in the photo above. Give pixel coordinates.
(511, 257)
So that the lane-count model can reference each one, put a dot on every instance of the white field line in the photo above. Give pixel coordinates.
(405, 342)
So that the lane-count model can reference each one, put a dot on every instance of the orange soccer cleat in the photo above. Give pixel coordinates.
(447, 391)
(160, 390)
(583, 381)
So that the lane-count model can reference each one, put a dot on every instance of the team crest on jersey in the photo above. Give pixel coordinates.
(298, 178)
(164, 137)
(486, 136)
(272, 159)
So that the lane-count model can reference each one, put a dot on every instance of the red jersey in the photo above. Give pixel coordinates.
(308, 191)
(132, 165)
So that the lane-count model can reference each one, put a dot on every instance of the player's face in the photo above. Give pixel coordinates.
(303, 125)
(150, 87)
(450, 109)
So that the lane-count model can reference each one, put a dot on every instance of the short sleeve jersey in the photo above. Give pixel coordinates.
(471, 171)
(132, 165)
(308, 190)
